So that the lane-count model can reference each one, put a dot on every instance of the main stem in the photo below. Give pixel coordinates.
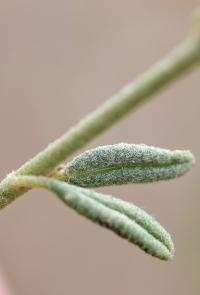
(163, 73)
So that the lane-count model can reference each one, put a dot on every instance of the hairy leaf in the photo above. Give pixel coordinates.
(123, 218)
(126, 163)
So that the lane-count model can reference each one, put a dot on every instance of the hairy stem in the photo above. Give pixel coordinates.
(173, 66)
(131, 96)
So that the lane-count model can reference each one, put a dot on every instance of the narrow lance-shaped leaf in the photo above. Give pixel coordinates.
(126, 163)
(123, 218)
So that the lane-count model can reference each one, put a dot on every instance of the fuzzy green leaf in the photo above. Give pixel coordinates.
(125, 219)
(126, 163)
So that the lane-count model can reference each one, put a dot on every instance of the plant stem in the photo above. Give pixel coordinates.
(30, 181)
(173, 66)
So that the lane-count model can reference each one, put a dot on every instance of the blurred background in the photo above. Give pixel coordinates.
(60, 60)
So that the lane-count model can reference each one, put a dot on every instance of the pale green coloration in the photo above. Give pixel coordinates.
(135, 213)
(123, 218)
(126, 163)
(127, 220)
(186, 56)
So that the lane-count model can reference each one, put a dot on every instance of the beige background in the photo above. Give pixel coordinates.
(59, 60)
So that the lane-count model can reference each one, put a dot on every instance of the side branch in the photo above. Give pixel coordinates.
(130, 97)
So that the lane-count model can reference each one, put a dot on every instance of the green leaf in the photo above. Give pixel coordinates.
(126, 163)
(123, 218)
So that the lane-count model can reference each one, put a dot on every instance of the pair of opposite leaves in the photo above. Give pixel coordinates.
(120, 164)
